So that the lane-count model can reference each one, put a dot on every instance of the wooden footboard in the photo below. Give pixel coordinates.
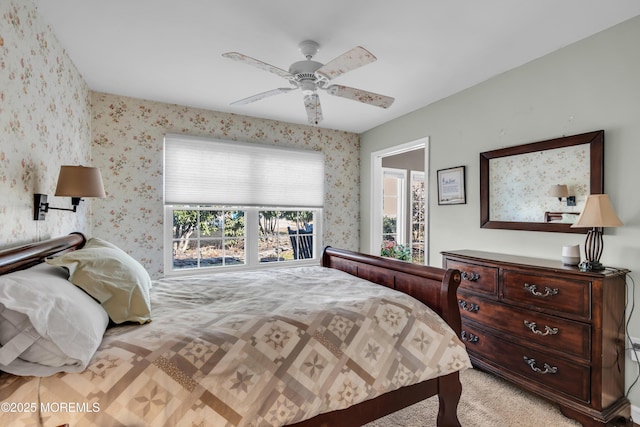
(433, 286)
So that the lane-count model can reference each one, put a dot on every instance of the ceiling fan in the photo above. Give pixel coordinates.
(309, 76)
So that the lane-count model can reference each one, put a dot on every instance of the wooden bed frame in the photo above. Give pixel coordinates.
(433, 286)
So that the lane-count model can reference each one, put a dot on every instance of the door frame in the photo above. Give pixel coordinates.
(376, 191)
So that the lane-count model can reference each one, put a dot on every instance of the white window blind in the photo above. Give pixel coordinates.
(208, 171)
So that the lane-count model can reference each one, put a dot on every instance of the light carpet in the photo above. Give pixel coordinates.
(486, 401)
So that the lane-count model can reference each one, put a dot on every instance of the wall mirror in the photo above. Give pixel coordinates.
(519, 185)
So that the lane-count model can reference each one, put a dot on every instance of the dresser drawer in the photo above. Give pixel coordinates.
(476, 278)
(549, 371)
(562, 336)
(548, 293)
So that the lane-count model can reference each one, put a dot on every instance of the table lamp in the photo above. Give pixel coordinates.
(597, 213)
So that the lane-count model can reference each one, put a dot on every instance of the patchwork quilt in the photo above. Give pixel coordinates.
(265, 348)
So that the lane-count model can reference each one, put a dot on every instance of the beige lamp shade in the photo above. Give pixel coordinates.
(559, 191)
(80, 181)
(597, 212)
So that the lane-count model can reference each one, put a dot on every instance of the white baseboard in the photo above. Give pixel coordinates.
(635, 414)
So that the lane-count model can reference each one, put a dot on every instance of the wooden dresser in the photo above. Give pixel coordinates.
(549, 328)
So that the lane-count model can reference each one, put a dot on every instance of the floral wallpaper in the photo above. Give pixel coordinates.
(44, 123)
(49, 117)
(127, 137)
(529, 178)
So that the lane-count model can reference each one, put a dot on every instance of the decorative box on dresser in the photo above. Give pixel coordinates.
(549, 328)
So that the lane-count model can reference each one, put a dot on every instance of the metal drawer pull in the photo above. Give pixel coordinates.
(469, 337)
(547, 329)
(547, 290)
(472, 277)
(548, 369)
(468, 306)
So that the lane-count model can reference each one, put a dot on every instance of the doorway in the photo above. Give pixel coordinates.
(399, 208)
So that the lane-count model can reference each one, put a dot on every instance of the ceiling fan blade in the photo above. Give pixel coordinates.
(350, 60)
(312, 105)
(361, 95)
(262, 95)
(259, 64)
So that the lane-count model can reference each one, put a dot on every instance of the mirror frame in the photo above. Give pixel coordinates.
(594, 139)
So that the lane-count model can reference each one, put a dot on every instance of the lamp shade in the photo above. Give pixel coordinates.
(597, 212)
(79, 181)
(558, 191)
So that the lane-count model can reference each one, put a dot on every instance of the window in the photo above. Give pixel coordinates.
(393, 202)
(238, 205)
(281, 230)
(203, 237)
(207, 237)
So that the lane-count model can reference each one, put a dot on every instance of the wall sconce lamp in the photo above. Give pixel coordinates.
(561, 191)
(75, 182)
(597, 213)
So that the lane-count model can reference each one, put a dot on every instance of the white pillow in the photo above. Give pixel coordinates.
(111, 276)
(47, 325)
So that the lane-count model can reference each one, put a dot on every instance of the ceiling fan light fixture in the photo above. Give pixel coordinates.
(309, 76)
(308, 87)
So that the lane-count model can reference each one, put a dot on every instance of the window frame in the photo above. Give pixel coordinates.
(400, 177)
(417, 176)
(252, 236)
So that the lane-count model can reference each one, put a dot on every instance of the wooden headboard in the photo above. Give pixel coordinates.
(435, 287)
(30, 254)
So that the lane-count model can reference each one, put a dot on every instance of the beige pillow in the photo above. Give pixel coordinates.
(112, 277)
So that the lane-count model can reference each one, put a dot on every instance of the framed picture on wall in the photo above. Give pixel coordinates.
(451, 189)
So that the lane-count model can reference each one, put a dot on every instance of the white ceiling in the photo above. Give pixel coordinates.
(170, 51)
